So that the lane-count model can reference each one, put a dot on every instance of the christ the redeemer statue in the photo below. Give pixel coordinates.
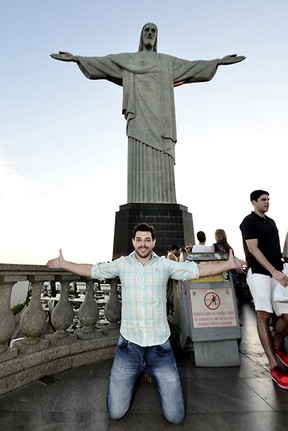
(148, 80)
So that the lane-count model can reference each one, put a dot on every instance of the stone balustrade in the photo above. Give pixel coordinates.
(38, 353)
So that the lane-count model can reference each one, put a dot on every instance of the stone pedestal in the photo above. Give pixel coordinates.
(26, 346)
(172, 222)
(61, 338)
(8, 354)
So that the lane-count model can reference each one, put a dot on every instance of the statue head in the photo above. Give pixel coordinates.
(148, 37)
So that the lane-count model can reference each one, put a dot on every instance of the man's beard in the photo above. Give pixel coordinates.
(143, 252)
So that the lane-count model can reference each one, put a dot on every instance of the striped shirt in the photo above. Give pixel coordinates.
(144, 316)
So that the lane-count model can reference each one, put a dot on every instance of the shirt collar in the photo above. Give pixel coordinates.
(263, 219)
(153, 258)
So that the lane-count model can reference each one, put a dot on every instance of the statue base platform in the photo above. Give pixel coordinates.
(173, 224)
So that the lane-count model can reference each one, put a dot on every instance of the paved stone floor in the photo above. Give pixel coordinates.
(234, 398)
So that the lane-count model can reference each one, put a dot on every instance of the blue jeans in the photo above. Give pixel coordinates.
(130, 362)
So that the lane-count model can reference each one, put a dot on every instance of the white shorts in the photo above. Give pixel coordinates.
(262, 289)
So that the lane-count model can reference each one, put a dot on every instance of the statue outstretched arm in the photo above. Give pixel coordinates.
(231, 59)
(65, 56)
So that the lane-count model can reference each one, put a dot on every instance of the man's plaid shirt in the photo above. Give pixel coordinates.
(144, 315)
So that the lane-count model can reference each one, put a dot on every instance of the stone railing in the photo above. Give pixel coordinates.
(38, 353)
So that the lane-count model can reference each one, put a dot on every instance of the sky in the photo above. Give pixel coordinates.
(63, 147)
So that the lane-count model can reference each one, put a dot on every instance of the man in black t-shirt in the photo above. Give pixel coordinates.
(263, 255)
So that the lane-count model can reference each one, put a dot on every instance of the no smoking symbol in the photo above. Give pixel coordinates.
(212, 300)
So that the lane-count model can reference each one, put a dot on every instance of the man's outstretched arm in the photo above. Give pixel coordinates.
(59, 262)
(207, 269)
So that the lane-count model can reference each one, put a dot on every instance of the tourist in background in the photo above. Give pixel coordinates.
(173, 253)
(264, 259)
(188, 247)
(221, 245)
(202, 247)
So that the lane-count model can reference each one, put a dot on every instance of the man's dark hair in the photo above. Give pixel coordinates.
(254, 196)
(175, 247)
(201, 236)
(144, 227)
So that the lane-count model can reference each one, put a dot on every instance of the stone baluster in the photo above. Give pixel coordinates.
(113, 307)
(7, 322)
(62, 318)
(33, 322)
(88, 315)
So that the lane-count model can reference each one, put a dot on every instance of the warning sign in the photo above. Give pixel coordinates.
(212, 300)
(212, 309)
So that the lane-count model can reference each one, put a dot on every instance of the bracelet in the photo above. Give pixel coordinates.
(273, 271)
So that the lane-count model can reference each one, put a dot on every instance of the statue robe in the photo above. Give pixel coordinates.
(148, 81)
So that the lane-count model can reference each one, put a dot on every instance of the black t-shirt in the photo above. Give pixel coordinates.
(265, 231)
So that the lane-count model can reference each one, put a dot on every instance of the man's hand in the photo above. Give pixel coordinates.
(234, 262)
(64, 56)
(83, 269)
(231, 59)
(280, 277)
(207, 269)
(57, 262)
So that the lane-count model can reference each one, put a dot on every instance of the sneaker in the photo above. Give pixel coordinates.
(283, 357)
(280, 377)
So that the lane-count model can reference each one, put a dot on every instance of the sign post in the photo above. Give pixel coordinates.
(209, 316)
